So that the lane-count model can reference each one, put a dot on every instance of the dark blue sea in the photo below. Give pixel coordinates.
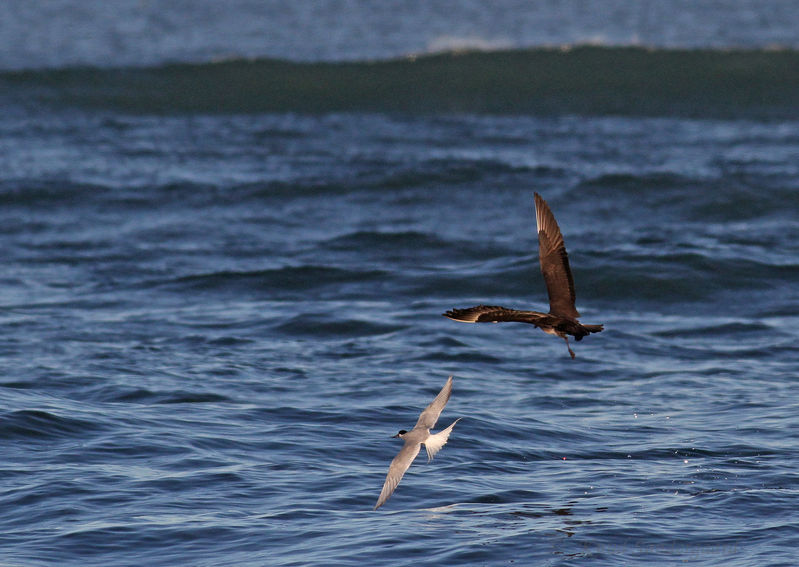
(229, 231)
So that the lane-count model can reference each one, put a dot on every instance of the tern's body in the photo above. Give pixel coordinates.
(561, 320)
(415, 438)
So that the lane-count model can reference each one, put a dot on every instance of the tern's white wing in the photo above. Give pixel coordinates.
(397, 468)
(430, 414)
(434, 443)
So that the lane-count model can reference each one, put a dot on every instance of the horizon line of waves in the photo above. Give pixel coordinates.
(731, 83)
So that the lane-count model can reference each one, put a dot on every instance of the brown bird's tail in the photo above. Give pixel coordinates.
(585, 330)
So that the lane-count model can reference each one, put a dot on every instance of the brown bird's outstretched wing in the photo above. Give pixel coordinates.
(554, 262)
(493, 314)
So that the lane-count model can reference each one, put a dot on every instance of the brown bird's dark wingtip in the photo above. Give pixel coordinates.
(452, 313)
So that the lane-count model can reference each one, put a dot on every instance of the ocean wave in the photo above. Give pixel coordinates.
(45, 193)
(732, 196)
(313, 325)
(674, 278)
(291, 278)
(39, 424)
(146, 396)
(574, 80)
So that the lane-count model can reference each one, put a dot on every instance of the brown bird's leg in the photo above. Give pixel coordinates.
(571, 352)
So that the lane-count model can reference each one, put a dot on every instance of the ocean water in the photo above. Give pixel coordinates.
(226, 256)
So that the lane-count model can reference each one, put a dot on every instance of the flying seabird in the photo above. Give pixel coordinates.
(562, 317)
(414, 439)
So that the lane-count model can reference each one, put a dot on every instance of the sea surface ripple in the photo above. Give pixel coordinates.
(213, 323)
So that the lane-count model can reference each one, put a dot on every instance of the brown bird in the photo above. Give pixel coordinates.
(562, 317)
